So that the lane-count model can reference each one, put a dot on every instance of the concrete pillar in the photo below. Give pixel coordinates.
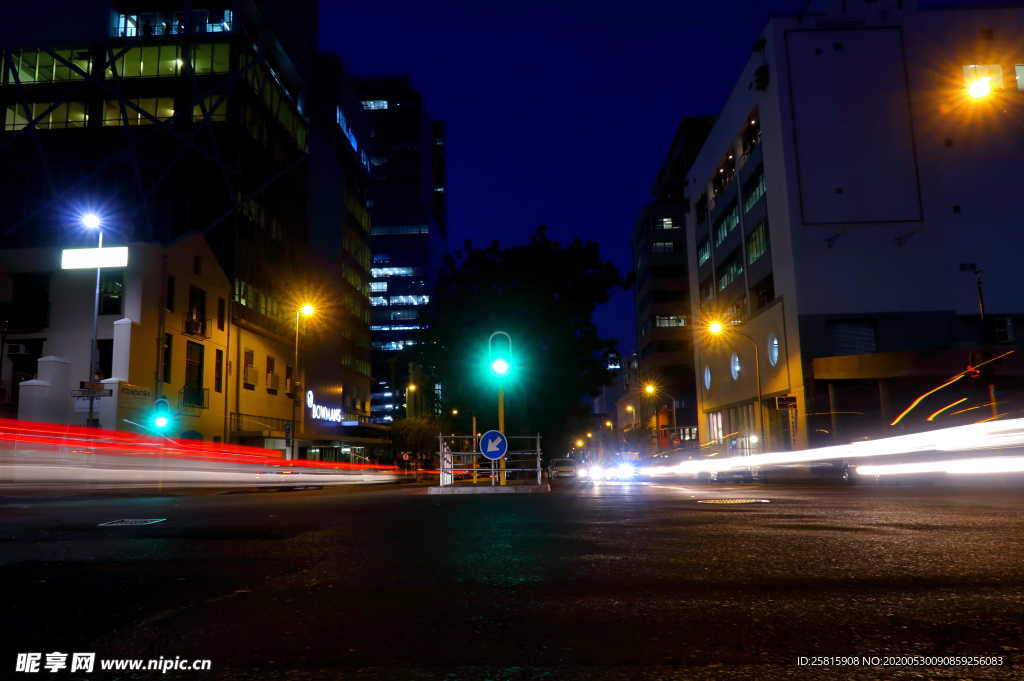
(47, 398)
(108, 406)
(883, 400)
(120, 365)
(832, 412)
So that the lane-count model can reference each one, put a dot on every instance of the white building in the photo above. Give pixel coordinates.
(867, 151)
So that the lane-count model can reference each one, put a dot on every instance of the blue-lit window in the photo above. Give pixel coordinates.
(409, 300)
(757, 243)
(126, 25)
(731, 270)
(725, 225)
(381, 272)
(704, 252)
(755, 190)
(378, 301)
(378, 286)
(375, 104)
(662, 247)
(666, 223)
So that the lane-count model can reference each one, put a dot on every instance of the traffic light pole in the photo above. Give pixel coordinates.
(501, 428)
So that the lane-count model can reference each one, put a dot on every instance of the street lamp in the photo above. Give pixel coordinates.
(608, 425)
(652, 389)
(980, 88)
(580, 443)
(455, 412)
(305, 310)
(717, 329)
(94, 221)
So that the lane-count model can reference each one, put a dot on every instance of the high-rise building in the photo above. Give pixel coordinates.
(171, 120)
(864, 168)
(662, 296)
(407, 203)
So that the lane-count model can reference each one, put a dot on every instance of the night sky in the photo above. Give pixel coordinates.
(556, 114)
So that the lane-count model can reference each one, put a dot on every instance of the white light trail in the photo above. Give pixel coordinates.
(978, 466)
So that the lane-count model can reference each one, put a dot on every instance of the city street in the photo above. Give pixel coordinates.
(615, 581)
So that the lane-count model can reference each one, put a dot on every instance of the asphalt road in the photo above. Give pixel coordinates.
(616, 581)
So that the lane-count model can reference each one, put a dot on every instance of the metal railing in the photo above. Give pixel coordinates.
(470, 467)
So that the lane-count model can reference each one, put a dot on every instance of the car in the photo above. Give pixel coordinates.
(562, 468)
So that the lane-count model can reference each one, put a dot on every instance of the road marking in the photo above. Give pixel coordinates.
(131, 522)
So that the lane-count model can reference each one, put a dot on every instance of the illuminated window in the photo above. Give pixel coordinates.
(666, 223)
(1019, 70)
(145, 62)
(773, 349)
(211, 58)
(375, 104)
(755, 190)
(38, 66)
(381, 272)
(725, 224)
(161, 108)
(46, 115)
(704, 252)
(735, 366)
(730, 271)
(378, 286)
(378, 301)
(409, 300)
(757, 243)
(976, 72)
(126, 26)
(213, 114)
(707, 378)
(662, 247)
(670, 320)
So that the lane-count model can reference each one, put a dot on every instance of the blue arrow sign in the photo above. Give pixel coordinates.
(493, 444)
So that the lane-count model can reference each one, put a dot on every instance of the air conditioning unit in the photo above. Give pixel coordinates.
(251, 375)
(17, 349)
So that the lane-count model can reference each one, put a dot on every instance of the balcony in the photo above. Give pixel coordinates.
(192, 397)
(197, 328)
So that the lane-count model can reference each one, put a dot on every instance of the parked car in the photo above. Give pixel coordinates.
(562, 468)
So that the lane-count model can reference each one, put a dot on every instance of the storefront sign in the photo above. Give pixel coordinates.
(319, 412)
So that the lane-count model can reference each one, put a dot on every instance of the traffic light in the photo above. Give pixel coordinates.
(499, 356)
(161, 419)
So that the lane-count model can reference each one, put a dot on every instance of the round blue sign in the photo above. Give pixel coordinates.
(493, 444)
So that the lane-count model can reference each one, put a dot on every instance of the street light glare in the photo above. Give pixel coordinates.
(716, 328)
(500, 366)
(91, 221)
(629, 407)
(307, 310)
(455, 412)
(980, 88)
(579, 443)
(649, 389)
(412, 387)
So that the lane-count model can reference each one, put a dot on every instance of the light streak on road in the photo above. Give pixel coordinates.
(975, 466)
(951, 381)
(931, 417)
(974, 437)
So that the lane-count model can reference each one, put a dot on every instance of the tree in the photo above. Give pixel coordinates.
(543, 294)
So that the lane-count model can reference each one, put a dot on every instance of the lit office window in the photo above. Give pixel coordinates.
(992, 72)
(145, 62)
(375, 104)
(662, 247)
(381, 272)
(1019, 70)
(161, 108)
(729, 272)
(725, 224)
(378, 286)
(126, 26)
(211, 58)
(773, 349)
(704, 252)
(38, 66)
(667, 223)
(409, 300)
(757, 243)
(735, 366)
(664, 320)
(378, 301)
(47, 115)
(211, 113)
(755, 190)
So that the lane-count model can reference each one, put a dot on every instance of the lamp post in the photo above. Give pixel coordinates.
(93, 221)
(305, 310)
(652, 389)
(718, 329)
(500, 366)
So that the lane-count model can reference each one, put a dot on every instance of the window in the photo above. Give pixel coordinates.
(271, 370)
(378, 286)
(730, 270)
(211, 109)
(142, 112)
(105, 350)
(773, 349)
(666, 223)
(169, 294)
(145, 62)
(707, 378)
(289, 373)
(754, 191)
(111, 291)
(1019, 72)
(704, 252)
(218, 371)
(409, 300)
(46, 115)
(381, 272)
(670, 320)
(195, 321)
(662, 247)
(126, 26)
(375, 104)
(192, 394)
(725, 224)
(221, 313)
(735, 366)
(378, 301)
(763, 292)
(403, 315)
(707, 289)
(168, 345)
(248, 369)
(38, 66)
(757, 243)
(399, 229)
(211, 58)
(381, 258)
(993, 73)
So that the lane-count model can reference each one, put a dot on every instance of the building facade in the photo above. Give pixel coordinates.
(662, 296)
(408, 209)
(167, 123)
(838, 220)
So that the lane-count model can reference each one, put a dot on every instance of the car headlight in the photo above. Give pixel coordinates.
(625, 471)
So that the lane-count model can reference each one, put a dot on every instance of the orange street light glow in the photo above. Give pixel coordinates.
(980, 88)
(307, 310)
(716, 328)
(650, 389)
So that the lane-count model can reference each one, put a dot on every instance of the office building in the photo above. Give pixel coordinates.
(864, 167)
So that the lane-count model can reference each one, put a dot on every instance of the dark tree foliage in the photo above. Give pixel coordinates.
(543, 294)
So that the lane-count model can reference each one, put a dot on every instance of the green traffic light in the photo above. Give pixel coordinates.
(500, 366)
(161, 422)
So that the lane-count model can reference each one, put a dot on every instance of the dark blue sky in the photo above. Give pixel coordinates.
(557, 113)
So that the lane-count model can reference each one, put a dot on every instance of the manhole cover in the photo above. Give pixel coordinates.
(733, 501)
(132, 521)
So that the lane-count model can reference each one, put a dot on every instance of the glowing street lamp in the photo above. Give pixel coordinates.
(411, 387)
(652, 390)
(579, 443)
(455, 412)
(608, 424)
(93, 221)
(305, 310)
(980, 88)
(590, 435)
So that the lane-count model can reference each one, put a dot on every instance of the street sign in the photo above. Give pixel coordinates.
(493, 445)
